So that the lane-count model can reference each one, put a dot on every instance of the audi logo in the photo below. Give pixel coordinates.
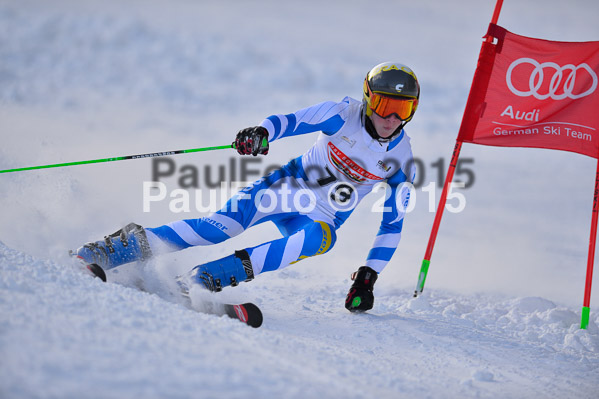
(560, 82)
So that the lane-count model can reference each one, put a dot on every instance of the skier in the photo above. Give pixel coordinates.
(361, 144)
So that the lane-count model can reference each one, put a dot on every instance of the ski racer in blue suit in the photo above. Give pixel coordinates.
(361, 144)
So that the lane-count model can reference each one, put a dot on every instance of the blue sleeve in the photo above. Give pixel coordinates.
(326, 117)
(389, 233)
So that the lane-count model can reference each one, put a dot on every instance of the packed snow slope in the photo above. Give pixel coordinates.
(96, 79)
(65, 334)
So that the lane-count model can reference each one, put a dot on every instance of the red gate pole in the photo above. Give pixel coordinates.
(448, 180)
(586, 304)
(431, 241)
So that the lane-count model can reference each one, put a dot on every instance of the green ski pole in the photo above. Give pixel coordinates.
(139, 156)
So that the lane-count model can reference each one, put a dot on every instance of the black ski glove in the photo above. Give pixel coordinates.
(360, 296)
(252, 141)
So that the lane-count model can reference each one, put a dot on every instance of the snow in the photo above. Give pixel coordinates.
(500, 313)
(65, 334)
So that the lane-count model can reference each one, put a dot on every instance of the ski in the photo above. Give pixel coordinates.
(247, 313)
(97, 271)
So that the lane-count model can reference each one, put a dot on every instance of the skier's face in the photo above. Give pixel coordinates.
(385, 126)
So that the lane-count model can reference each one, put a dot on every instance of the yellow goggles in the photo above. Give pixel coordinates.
(385, 106)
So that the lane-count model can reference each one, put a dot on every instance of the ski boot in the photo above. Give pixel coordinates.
(129, 244)
(215, 275)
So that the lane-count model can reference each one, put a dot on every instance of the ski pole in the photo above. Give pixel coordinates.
(140, 156)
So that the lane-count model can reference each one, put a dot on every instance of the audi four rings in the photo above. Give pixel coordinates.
(557, 82)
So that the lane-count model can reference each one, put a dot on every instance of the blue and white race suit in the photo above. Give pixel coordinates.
(311, 197)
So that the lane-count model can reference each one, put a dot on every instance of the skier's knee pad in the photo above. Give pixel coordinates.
(320, 238)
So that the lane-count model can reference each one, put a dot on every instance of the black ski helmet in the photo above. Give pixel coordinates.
(389, 88)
